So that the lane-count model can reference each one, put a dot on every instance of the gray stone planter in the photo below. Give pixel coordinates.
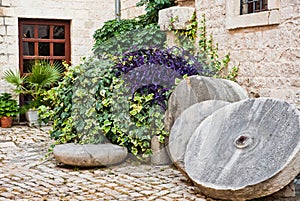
(32, 117)
(159, 153)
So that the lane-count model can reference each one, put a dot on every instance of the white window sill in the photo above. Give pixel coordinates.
(234, 20)
(253, 20)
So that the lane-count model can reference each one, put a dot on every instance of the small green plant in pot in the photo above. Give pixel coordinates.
(41, 77)
(9, 108)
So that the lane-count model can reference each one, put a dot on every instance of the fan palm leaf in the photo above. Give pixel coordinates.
(44, 74)
(15, 79)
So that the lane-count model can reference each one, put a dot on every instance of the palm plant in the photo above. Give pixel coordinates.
(41, 77)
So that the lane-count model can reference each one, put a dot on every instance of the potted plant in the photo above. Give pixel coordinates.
(41, 77)
(9, 108)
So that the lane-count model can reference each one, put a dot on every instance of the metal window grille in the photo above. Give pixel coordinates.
(253, 6)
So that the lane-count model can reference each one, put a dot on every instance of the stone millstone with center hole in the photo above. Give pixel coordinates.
(196, 89)
(184, 127)
(245, 150)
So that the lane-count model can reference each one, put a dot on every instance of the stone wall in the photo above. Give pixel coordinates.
(268, 56)
(85, 15)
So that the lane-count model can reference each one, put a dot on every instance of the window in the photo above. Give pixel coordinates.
(43, 39)
(251, 13)
(253, 6)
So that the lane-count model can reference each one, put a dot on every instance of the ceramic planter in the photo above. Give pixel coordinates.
(6, 122)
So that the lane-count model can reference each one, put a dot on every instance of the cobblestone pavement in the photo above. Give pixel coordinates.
(27, 174)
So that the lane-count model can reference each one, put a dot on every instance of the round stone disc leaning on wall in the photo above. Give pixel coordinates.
(184, 127)
(245, 150)
(195, 89)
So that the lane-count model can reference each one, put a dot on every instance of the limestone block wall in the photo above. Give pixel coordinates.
(129, 9)
(268, 56)
(86, 16)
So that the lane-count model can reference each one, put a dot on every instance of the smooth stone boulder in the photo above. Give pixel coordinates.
(195, 89)
(184, 127)
(245, 150)
(89, 155)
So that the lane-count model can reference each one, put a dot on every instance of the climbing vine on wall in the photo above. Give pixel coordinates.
(206, 50)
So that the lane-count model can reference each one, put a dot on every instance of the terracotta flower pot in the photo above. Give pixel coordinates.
(6, 122)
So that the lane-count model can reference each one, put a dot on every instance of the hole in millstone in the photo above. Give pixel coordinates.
(242, 141)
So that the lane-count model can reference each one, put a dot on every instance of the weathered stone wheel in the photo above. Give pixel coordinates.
(195, 89)
(89, 155)
(184, 127)
(245, 150)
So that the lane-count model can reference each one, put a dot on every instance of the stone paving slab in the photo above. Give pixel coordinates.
(26, 173)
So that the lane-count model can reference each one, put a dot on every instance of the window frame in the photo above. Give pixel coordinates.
(51, 40)
(250, 6)
(235, 20)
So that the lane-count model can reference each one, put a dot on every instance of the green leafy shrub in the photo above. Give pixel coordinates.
(131, 35)
(59, 110)
(93, 104)
(117, 36)
(8, 106)
(74, 102)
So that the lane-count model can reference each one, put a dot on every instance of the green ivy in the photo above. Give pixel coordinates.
(134, 122)
(117, 36)
(92, 105)
(208, 52)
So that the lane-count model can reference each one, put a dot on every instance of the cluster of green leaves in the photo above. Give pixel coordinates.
(109, 39)
(117, 36)
(132, 37)
(133, 122)
(59, 108)
(93, 105)
(74, 103)
(8, 106)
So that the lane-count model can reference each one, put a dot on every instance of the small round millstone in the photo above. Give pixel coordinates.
(245, 150)
(89, 155)
(185, 125)
(195, 89)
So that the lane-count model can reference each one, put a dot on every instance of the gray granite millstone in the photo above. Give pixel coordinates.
(245, 150)
(184, 127)
(195, 89)
(89, 155)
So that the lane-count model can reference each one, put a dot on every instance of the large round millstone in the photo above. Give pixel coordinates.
(195, 89)
(245, 150)
(89, 155)
(184, 127)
